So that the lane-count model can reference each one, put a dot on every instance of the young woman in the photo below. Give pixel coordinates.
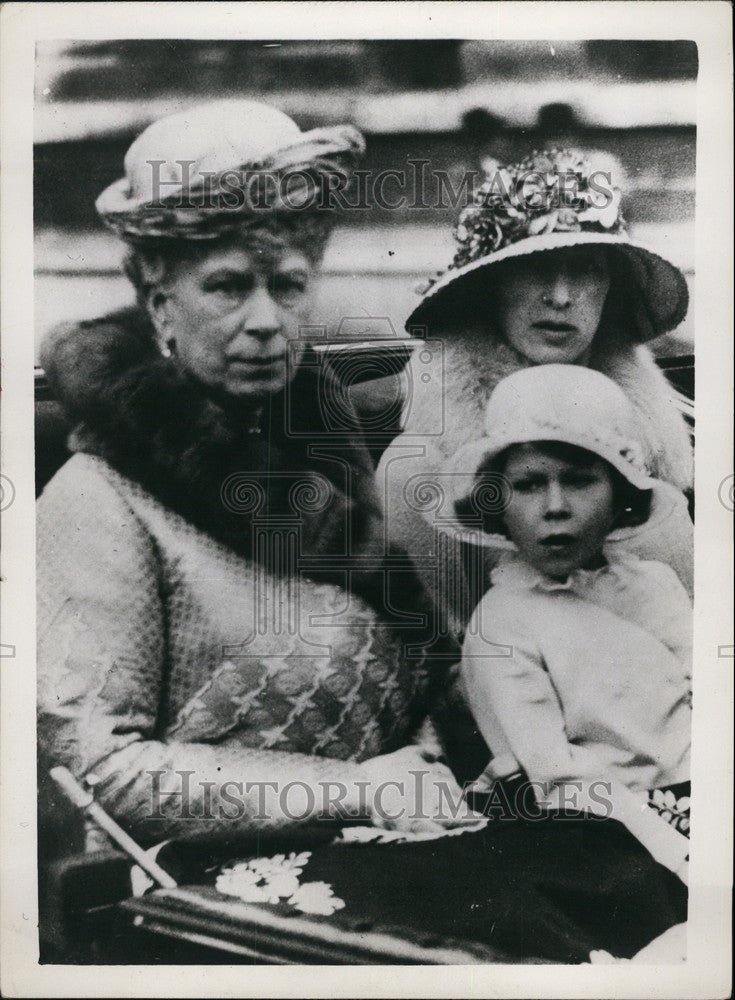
(539, 277)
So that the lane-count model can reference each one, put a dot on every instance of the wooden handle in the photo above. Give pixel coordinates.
(84, 800)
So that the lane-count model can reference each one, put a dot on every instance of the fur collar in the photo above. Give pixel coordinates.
(474, 364)
(153, 423)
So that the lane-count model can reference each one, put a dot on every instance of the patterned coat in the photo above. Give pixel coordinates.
(193, 632)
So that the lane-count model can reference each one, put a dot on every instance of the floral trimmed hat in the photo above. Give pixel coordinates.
(549, 201)
(202, 172)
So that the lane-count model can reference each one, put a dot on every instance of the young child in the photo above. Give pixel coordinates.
(576, 664)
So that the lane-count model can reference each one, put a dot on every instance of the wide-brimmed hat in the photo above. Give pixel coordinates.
(565, 403)
(199, 172)
(550, 201)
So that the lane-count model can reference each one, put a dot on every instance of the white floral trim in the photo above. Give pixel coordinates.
(372, 835)
(271, 880)
(674, 811)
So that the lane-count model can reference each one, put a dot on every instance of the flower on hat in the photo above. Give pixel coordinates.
(551, 200)
(603, 215)
(555, 191)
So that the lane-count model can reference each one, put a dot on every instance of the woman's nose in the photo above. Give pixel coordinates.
(262, 317)
(557, 504)
(559, 292)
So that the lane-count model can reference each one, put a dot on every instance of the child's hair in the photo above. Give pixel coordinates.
(485, 506)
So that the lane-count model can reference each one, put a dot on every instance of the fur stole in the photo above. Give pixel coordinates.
(475, 363)
(156, 425)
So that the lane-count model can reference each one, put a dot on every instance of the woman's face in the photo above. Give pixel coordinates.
(559, 513)
(549, 304)
(234, 316)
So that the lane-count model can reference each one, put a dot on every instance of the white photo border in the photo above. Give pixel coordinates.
(707, 971)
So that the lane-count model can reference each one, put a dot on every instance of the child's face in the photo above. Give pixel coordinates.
(559, 513)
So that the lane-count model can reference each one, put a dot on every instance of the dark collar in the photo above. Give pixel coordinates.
(156, 425)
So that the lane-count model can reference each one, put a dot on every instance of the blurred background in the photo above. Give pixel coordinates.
(631, 105)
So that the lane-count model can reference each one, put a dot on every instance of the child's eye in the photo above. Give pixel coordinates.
(526, 485)
(579, 479)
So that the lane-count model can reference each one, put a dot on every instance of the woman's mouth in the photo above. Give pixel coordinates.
(258, 367)
(555, 329)
(558, 542)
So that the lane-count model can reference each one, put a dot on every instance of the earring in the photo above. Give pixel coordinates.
(168, 348)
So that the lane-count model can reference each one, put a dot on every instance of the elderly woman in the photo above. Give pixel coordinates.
(217, 623)
(544, 273)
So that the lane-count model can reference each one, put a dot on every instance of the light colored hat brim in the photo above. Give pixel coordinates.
(662, 285)
(476, 453)
(664, 501)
